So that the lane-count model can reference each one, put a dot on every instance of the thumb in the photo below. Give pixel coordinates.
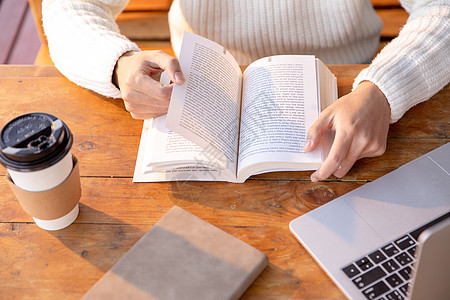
(174, 72)
(316, 131)
(170, 65)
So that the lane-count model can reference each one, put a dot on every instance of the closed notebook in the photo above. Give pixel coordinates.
(182, 257)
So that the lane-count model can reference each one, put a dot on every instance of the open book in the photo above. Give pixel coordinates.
(225, 125)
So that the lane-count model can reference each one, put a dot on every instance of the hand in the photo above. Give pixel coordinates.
(361, 124)
(136, 75)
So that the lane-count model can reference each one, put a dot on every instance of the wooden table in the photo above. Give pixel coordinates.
(115, 213)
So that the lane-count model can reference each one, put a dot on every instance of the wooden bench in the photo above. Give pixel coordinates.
(145, 22)
(19, 41)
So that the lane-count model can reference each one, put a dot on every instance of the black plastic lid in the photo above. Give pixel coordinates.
(34, 141)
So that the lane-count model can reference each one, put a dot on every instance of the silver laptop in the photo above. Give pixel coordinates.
(367, 240)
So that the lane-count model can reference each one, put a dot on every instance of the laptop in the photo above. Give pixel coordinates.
(376, 242)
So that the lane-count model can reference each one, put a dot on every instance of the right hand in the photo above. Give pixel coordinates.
(361, 122)
(136, 75)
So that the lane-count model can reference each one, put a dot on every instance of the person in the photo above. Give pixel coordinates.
(86, 46)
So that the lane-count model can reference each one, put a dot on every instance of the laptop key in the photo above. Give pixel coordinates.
(404, 242)
(364, 263)
(394, 280)
(405, 272)
(395, 295)
(367, 278)
(377, 256)
(376, 290)
(403, 258)
(412, 251)
(390, 265)
(351, 271)
(390, 250)
(404, 289)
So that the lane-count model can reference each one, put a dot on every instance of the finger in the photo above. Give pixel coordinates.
(169, 64)
(135, 97)
(145, 116)
(338, 153)
(375, 148)
(359, 149)
(315, 132)
(152, 88)
(353, 155)
(145, 109)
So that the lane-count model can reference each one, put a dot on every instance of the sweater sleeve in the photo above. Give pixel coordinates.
(415, 65)
(85, 42)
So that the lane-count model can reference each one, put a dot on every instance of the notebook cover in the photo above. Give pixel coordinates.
(182, 257)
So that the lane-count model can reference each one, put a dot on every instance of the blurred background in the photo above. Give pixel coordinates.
(19, 38)
(144, 21)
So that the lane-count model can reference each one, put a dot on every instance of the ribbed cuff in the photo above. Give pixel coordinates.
(414, 66)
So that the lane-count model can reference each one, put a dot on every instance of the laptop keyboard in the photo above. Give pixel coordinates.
(386, 272)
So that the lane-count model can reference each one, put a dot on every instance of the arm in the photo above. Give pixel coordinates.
(85, 42)
(415, 65)
(86, 46)
(409, 70)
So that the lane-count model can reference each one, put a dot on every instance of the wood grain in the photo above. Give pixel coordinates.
(82, 253)
(385, 3)
(144, 25)
(393, 20)
(145, 5)
(165, 46)
(115, 212)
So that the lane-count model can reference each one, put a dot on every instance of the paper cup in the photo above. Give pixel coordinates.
(59, 223)
(35, 149)
(46, 179)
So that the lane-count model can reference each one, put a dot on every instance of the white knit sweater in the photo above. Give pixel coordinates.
(85, 42)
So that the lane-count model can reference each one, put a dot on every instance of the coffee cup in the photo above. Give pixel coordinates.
(43, 174)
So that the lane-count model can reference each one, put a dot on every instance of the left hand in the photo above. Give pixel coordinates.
(137, 76)
(361, 124)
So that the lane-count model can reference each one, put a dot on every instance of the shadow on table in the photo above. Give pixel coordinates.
(101, 244)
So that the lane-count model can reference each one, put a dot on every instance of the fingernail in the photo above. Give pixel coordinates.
(314, 178)
(307, 145)
(179, 78)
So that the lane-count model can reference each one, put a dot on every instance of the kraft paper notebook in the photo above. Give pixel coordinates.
(182, 257)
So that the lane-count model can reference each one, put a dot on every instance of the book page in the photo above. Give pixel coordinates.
(167, 156)
(166, 146)
(182, 174)
(206, 108)
(327, 91)
(279, 104)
